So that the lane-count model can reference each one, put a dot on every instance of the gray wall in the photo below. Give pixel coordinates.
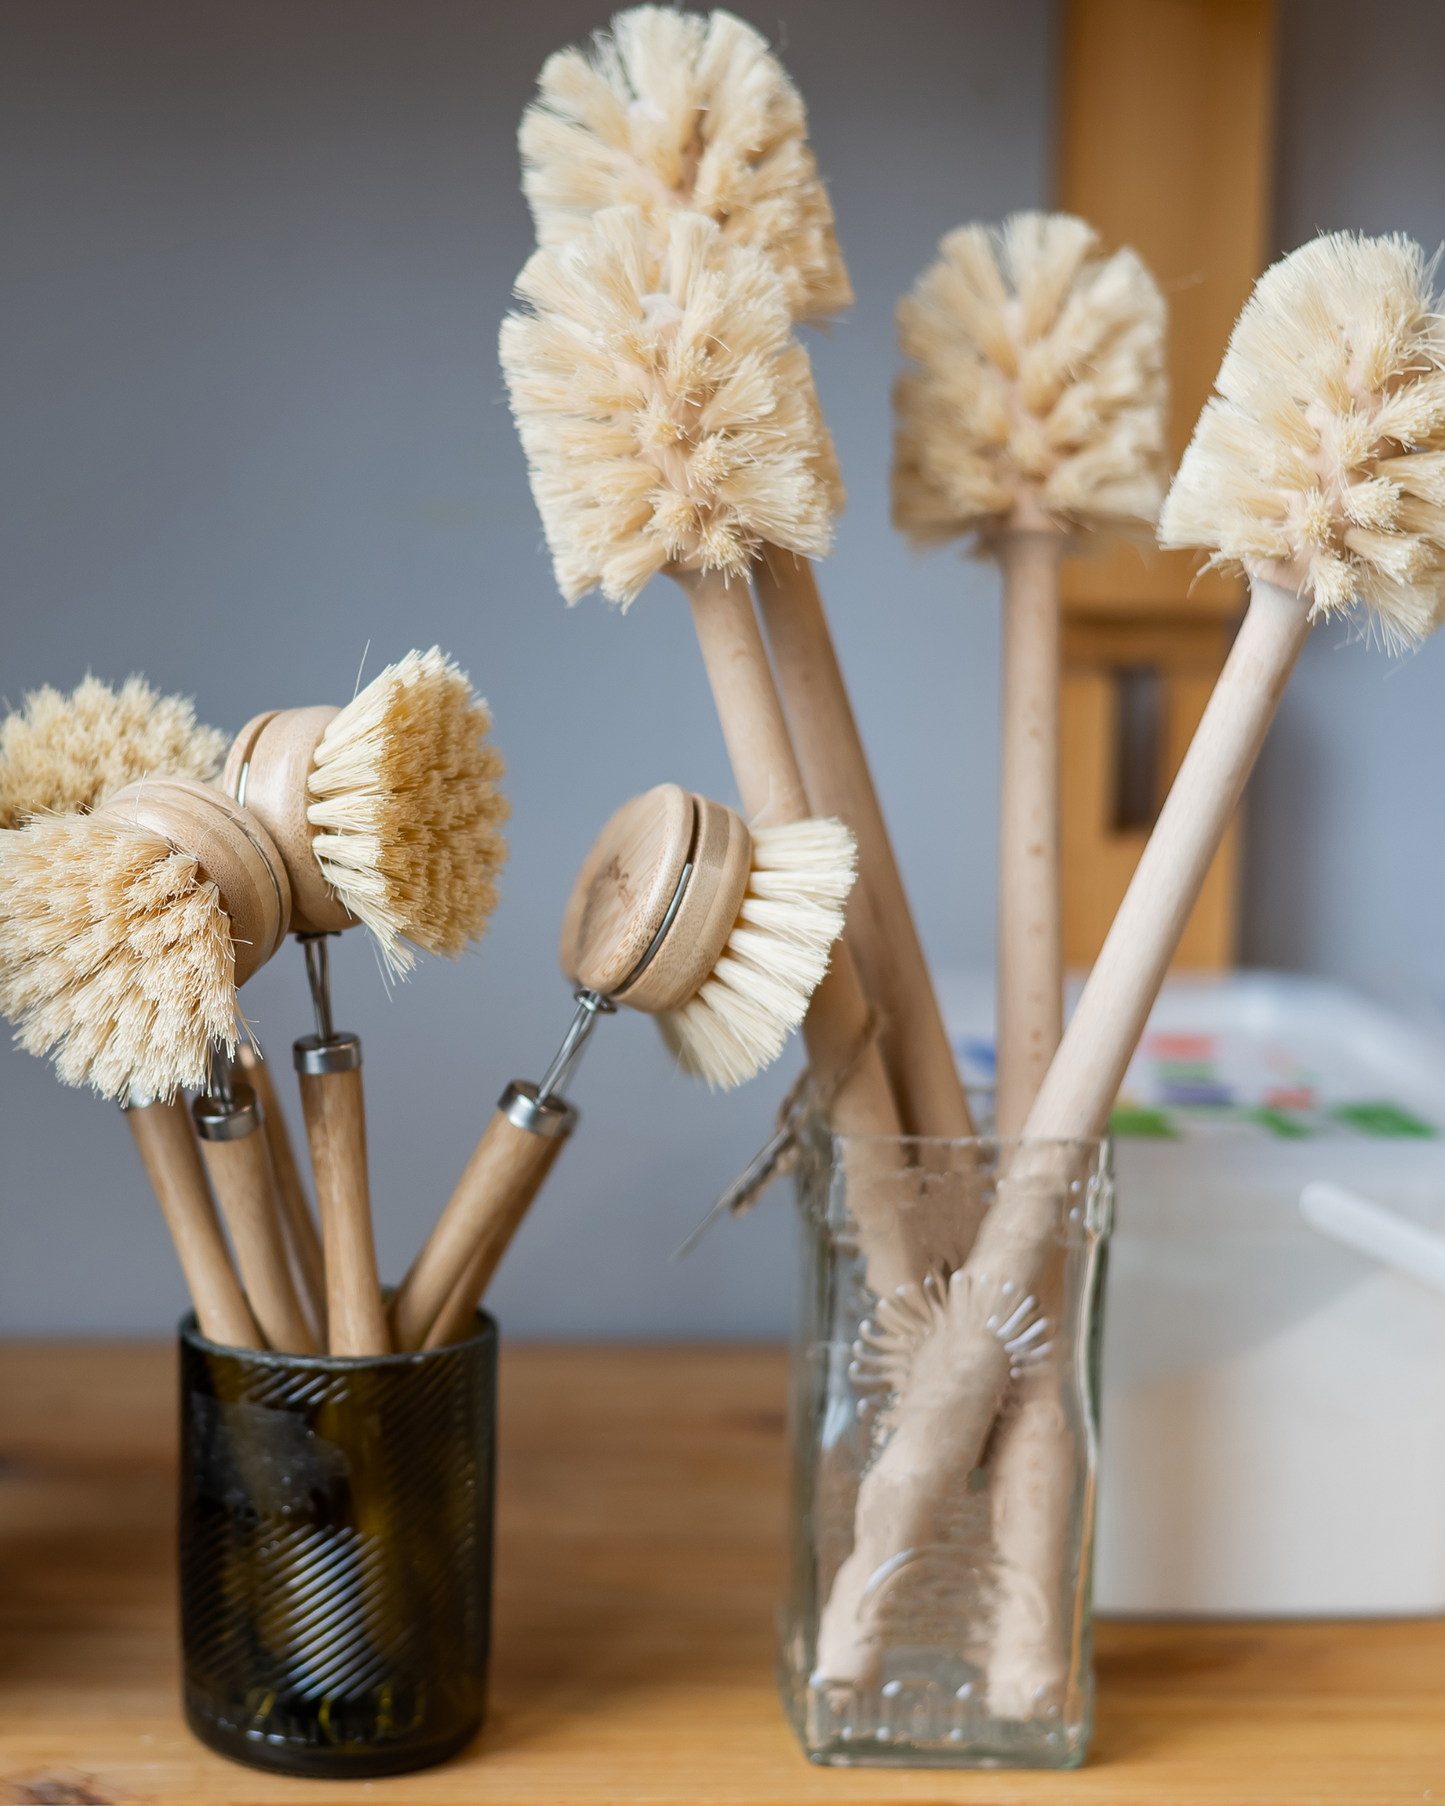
(254, 259)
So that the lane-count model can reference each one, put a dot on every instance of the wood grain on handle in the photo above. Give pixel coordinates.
(167, 1143)
(241, 1176)
(502, 1177)
(1030, 1017)
(296, 1218)
(335, 1110)
(881, 931)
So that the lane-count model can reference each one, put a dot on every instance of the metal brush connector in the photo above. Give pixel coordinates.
(227, 1118)
(312, 1055)
(549, 1117)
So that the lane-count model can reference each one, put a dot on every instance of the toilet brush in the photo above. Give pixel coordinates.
(1316, 470)
(386, 813)
(678, 911)
(674, 113)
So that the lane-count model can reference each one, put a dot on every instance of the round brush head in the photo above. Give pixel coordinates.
(62, 753)
(1319, 464)
(667, 413)
(125, 933)
(678, 112)
(722, 933)
(1037, 392)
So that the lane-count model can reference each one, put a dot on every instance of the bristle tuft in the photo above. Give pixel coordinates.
(776, 955)
(409, 809)
(1318, 464)
(666, 410)
(1037, 384)
(115, 958)
(62, 753)
(675, 112)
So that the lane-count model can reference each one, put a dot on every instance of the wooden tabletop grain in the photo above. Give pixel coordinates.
(639, 1555)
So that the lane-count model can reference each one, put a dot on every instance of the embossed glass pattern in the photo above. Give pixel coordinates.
(336, 1553)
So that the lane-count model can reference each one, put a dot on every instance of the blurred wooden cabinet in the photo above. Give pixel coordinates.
(1166, 132)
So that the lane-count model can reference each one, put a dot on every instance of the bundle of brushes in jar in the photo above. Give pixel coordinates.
(387, 813)
(675, 115)
(1315, 469)
(678, 911)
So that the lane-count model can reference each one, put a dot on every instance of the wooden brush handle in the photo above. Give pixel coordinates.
(296, 1219)
(167, 1142)
(1030, 1019)
(881, 932)
(501, 1179)
(335, 1110)
(241, 1176)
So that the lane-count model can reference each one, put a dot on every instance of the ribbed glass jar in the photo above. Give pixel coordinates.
(944, 1429)
(336, 1553)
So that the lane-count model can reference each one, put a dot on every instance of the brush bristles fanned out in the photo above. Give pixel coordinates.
(1039, 385)
(1320, 463)
(409, 809)
(115, 958)
(667, 412)
(677, 112)
(775, 957)
(63, 753)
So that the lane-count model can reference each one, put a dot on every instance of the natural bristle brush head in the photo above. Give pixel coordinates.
(1038, 391)
(125, 933)
(674, 112)
(1320, 463)
(667, 412)
(734, 954)
(62, 753)
(388, 811)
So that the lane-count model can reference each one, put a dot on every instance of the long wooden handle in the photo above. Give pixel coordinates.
(1030, 912)
(167, 1142)
(300, 1226)
(241, 1175)
(335, 1110)
(881, 931)
(502, 1177)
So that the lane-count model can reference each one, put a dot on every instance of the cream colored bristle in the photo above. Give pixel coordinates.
(1038, 389)
(1318, 465)
(408, 807)
(115, 958)
(677, 112)
(775, 957)
(667, 412)
(61, 753)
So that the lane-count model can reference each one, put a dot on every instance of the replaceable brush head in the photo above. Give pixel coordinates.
(677, 112)
(1038, 393)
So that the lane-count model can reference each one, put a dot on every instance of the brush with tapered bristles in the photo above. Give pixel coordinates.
(386, 812)
(674, 111)
(679, 911)
(1334, 381)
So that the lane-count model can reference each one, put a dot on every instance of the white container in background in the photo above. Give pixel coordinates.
(1273, 1413)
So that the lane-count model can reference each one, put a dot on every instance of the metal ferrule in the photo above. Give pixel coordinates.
(316, 1058)
(550, 1117)
(230, 1118)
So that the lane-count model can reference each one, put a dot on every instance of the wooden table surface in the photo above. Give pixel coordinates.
(639, 1554)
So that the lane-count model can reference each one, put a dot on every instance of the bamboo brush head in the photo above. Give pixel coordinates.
(62, 753)
(667, 413)
(1037, 392)
(386, 812)
(125, 933)
(750, 940)
(677, 112)
(1320, 463)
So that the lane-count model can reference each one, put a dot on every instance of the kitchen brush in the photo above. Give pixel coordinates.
(386, 812)
(679, 911)
(1316, 468)
(675, 112)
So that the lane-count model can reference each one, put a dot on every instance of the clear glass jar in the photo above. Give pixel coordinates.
(944, 1429)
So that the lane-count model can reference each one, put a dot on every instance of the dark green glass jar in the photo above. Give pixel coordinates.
(336, 1553)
